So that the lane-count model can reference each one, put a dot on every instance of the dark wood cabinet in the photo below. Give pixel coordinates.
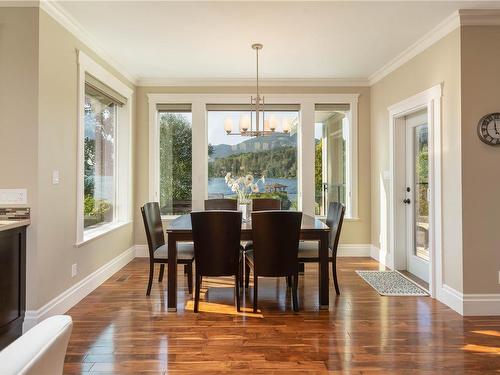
(12, 283)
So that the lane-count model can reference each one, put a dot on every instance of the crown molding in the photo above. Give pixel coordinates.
(220, 82)
(444, 28)
(54, 10)
(479, 17)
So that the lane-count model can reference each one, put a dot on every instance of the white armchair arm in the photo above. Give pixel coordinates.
(40, 351)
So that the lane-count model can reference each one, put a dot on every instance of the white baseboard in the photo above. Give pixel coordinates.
(70, 297)
(347, 250)
(451, 298)
(141, 251)
(353, 250)
(470, 304)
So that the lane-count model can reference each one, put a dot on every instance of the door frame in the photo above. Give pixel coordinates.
(429, 99)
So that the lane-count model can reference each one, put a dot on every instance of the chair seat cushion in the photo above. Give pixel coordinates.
(185, 251)
(309, 249)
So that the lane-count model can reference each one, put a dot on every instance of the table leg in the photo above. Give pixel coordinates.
(172, 273)
(323, 272)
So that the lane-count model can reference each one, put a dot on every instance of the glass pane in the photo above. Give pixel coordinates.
(99, 159)
(175, 162)
(421, 192)
(273, 157)
(331, 133)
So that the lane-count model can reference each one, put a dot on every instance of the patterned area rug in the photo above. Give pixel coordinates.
(391, 283)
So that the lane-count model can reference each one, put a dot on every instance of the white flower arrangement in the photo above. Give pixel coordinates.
(244, 186)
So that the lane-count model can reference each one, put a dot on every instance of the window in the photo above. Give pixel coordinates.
(99, 158)
(175, 137)
(270, 159)
(332, 157)
(104, 143)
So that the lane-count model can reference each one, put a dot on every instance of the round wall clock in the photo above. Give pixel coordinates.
(488, 129)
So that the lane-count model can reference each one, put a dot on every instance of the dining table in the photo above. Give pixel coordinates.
(311, 229)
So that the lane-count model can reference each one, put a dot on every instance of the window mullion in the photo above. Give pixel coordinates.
(200, 155)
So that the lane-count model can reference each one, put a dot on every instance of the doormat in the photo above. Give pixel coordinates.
(391, 283)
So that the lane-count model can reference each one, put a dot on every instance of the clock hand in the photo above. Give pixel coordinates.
(496, 129)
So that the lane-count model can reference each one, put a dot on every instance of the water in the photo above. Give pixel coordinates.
(217, 185)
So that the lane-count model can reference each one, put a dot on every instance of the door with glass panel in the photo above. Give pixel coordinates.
(417, 195)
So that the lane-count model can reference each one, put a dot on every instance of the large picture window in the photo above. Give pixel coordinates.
(104, 143)
(331, 136)
(175, 159)
(99, 158)
(271, 159)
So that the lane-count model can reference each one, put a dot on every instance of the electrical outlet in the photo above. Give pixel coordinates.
(74, 270)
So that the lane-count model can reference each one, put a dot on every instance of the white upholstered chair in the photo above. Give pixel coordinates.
(40, 351)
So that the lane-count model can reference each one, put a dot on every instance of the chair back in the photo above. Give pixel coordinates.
(154, 228)
(216, 237)
(275, 236)
(41, 350)
(221, 204)
(266, 204)
(334, 220)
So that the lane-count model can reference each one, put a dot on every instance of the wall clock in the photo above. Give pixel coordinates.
(488, 129)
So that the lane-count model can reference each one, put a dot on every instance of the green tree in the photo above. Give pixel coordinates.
(318, 174)
(175, 162)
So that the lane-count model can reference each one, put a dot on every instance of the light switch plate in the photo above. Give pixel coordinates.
(13, 196)
(55, 177)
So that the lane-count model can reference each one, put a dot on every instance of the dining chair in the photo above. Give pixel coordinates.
(308, 253)
(265, 204)
(158, 251)
(216, 236)
(275, 249)
(259, 204)
(221, 204)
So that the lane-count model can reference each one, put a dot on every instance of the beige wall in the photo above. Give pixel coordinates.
(19, 114)
(480, 59)
(38, 75)
(356, 232)
(439, 64)
(57, 142)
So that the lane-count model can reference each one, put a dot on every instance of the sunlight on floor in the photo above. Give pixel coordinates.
(481, 349)
(217, 308)
(488, 333)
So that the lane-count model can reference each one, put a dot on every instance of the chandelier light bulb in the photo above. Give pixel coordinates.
(228, 125)
(273, 123)
(266, 126)
(244, 124)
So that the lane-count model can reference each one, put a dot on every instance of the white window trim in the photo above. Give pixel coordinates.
(305, 146)
(123, 145)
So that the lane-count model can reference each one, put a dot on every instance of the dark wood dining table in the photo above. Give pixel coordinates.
(312, 229)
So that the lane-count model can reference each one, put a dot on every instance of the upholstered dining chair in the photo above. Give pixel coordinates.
(158, 251)
(221, 204)
(216, 236)
(275, 249)
(259, 204)
(309, 252)
(265, 204)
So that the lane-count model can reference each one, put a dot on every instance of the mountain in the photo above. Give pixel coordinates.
(255, 144)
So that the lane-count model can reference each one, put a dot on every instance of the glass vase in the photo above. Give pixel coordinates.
(245, 206)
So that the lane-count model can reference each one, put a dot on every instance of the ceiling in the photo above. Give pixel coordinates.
(211, 40)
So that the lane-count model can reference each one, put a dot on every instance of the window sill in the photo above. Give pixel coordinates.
(100, 231)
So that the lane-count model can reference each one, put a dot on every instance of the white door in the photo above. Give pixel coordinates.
(417, 195)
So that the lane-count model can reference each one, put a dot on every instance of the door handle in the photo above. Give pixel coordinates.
(407, 201)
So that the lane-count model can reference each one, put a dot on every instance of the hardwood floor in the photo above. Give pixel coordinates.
(117, 329)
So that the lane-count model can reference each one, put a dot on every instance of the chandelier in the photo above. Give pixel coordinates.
(254, 125)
